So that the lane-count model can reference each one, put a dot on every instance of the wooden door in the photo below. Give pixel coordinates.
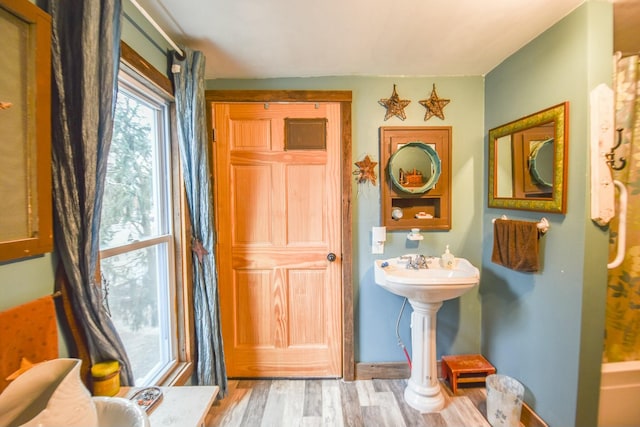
(278, 210)
(524, 187)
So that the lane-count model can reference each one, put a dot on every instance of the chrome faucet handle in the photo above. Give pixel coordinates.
(422, 261)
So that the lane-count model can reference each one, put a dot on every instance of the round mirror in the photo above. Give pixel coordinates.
(414, 168)
(541, 162)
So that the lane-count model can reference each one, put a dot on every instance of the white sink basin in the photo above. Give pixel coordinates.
(433, 284)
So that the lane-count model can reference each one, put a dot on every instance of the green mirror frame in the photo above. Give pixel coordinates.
(422, 160)
(556, 116)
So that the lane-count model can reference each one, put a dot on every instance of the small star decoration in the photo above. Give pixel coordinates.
(366, 170)
(434, 105)
(394, 105)
(198, 248)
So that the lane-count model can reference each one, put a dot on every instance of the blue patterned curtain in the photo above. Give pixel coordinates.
(85, 60)
(194, 153)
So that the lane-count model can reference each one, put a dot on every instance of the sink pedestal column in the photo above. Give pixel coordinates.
(423, 389)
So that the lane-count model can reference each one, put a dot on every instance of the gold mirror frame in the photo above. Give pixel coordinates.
(558, 116)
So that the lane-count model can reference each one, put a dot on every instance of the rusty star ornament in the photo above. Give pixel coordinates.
(366, 171)
(394, 105)
(434, 105)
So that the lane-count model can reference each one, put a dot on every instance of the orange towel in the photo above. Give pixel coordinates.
(515, 245)
(27, 331)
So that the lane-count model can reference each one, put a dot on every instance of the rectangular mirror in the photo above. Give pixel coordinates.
(528, 162)
(25, 126)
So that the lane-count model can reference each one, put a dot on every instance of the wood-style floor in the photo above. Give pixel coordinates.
(334, 403)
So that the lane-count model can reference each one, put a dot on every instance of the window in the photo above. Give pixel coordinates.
(137, 234)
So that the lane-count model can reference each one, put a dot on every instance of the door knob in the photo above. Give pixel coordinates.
(331, 257)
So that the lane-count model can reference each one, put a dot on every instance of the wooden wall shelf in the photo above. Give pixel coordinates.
(435, 203)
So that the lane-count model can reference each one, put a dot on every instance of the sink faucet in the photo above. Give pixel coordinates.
(418, 262)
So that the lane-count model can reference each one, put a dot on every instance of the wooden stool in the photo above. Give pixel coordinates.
(465, 368)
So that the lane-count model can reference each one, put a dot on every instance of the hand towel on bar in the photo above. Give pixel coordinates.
(515, 245)
(27, 331)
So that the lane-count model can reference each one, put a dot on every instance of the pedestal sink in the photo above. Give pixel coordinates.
(426, 289)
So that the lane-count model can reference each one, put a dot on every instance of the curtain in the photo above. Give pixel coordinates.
(85, 61)
(194, 155)
(622, 339)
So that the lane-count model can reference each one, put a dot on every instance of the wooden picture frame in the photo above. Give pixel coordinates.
(26, 223)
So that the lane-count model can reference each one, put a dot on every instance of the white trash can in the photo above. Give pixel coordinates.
(504, 401)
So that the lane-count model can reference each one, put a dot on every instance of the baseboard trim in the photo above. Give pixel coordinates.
(528, 418)
(382, 370)
(400, 370)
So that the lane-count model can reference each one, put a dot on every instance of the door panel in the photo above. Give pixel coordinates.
(252, 285)
(278, 216)
(305, 219)
(251, 206)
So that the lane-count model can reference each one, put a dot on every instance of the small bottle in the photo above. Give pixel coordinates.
(447, 259)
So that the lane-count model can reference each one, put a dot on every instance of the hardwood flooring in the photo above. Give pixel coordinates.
(334, 403)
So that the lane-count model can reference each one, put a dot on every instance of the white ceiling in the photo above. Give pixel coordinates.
(305, 38)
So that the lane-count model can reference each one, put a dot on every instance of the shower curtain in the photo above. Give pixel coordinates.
(622, 328)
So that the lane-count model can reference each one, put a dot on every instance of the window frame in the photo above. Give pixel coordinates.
(180, 295)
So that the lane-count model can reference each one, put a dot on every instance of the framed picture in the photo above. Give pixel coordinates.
(25, 131)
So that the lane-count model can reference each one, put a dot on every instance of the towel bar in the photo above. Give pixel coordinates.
(543, 225)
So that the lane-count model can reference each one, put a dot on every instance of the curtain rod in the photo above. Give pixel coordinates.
(157, 27)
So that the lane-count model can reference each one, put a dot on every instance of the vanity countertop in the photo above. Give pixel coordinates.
(181, 406)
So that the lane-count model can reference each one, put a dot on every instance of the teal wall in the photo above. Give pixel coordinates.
(26, 280)
(546, 329)
(376, 310)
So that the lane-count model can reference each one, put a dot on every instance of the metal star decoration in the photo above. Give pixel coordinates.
(198, 249)
(394, 105)
(434, 105)
(366, 171)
